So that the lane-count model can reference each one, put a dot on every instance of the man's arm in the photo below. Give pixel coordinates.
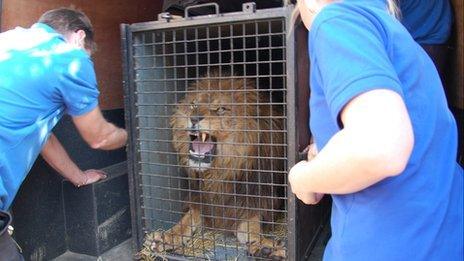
(375, 143)
(99, 133)
(55, 155)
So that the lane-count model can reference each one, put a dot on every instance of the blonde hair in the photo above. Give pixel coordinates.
(393, 8)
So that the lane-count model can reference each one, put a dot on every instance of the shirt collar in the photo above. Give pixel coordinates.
(48, 29)
(45, 27)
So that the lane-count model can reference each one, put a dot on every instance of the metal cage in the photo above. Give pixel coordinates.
(210, 108)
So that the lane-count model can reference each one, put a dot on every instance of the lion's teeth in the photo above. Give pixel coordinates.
(203, 137)
(196, 154)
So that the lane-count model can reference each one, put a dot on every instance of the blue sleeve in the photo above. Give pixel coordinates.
(79, 86)
(351, 58)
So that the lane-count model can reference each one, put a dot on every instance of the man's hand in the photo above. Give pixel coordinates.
(91, 176)
(54, 153)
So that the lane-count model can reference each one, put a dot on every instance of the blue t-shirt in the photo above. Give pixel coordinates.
(356, 46)
(428, 21)
(41, 77)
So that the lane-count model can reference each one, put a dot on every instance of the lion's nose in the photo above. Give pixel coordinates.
(195, 119)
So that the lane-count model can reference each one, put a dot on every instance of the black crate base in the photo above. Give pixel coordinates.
(98, 215)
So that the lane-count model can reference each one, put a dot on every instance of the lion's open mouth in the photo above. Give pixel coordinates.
(202, 147)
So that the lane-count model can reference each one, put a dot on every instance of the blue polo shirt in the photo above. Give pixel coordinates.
(428, 21)
(354, 47)
(41, 78)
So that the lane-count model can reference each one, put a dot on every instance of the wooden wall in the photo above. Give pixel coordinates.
(106, 15)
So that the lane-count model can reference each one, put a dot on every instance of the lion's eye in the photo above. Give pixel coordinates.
(221, 110)
(193, 106)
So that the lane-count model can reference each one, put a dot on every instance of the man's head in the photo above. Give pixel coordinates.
(74, 25)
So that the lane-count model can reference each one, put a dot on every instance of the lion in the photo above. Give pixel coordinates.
(231, 142)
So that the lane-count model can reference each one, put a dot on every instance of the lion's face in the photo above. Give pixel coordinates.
(215, 127)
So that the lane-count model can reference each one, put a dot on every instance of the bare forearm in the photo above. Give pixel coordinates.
(99, 133)
(341, 167)
(55, 155)
(111, 138)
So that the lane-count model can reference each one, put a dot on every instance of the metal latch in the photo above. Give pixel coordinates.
(167, 16)
(249, 7)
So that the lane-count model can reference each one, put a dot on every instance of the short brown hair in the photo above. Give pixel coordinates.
(68, 20)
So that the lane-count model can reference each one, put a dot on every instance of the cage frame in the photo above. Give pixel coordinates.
(165, 22)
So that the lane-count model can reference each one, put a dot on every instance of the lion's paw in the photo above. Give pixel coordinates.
(273, 252)
(165, 241)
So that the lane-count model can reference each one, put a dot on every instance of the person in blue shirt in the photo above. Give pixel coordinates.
(45, 72)
(386, 139)
(429, 22)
